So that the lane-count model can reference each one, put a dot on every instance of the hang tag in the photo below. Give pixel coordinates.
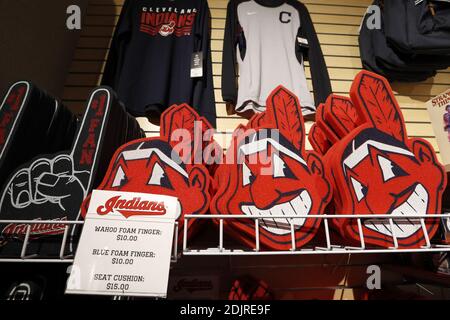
(303, 46)
(303, 42)
(197, 65)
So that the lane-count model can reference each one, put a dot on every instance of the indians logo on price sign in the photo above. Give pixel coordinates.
(132, 207)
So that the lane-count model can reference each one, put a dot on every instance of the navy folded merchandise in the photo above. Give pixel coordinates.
(149, 63)
(31, 123)
(53, 186)
(372, 42)
(379, 56)
(387, 55)
(413, 27)
(434, 19)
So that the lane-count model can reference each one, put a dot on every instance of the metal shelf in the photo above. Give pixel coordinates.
(22, 257)
(329, 248)
(221, 250)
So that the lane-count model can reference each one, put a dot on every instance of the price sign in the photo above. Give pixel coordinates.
(126, 244)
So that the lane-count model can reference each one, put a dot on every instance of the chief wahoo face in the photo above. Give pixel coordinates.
(268, 172)
(376, 168)
(151, 165)
(148, 166)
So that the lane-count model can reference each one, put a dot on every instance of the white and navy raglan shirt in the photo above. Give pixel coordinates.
(267, 41)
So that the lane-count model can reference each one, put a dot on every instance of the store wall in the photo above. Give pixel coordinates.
(337, 23)
(35, 43)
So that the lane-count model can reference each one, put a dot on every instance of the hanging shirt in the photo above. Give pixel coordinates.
(149, 64)
(269, 40)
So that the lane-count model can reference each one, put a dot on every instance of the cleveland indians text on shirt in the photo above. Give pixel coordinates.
(166, 21)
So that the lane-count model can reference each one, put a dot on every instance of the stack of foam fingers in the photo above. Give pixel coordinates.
(51, 182)
(375, 168)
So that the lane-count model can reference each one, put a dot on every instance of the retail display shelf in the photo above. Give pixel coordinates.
(328, 248)
(222, 250)
(24, 257)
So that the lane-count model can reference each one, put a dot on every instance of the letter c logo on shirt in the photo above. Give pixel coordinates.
(283, 17)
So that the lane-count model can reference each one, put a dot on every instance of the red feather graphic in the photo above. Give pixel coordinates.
(318, 140)
(207, 131)
(182, 117)
(323, 124)
(178, 117)
(238, 135)
(257, 121)
(210, 146)
(283, 109)
(342, 116)
(375, 102)
(206, 124)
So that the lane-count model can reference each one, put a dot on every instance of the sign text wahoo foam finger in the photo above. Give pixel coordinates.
(126, 244)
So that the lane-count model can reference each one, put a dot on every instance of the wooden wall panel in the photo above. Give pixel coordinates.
(336, 23)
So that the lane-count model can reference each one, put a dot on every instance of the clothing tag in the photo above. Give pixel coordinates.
(303, 42)
(197, 65)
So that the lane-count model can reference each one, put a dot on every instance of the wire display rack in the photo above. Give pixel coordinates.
(220, 249)
(329, 247)
(23, 257)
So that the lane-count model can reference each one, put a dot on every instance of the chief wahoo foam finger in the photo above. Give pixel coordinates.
(375, 168)
(268, 172)
(165, 165)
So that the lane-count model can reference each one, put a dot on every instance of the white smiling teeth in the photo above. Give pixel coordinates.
(416, 204)
(300, 205)
(306, 199)
(289, 211)
(252, 211)
(418, 200)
